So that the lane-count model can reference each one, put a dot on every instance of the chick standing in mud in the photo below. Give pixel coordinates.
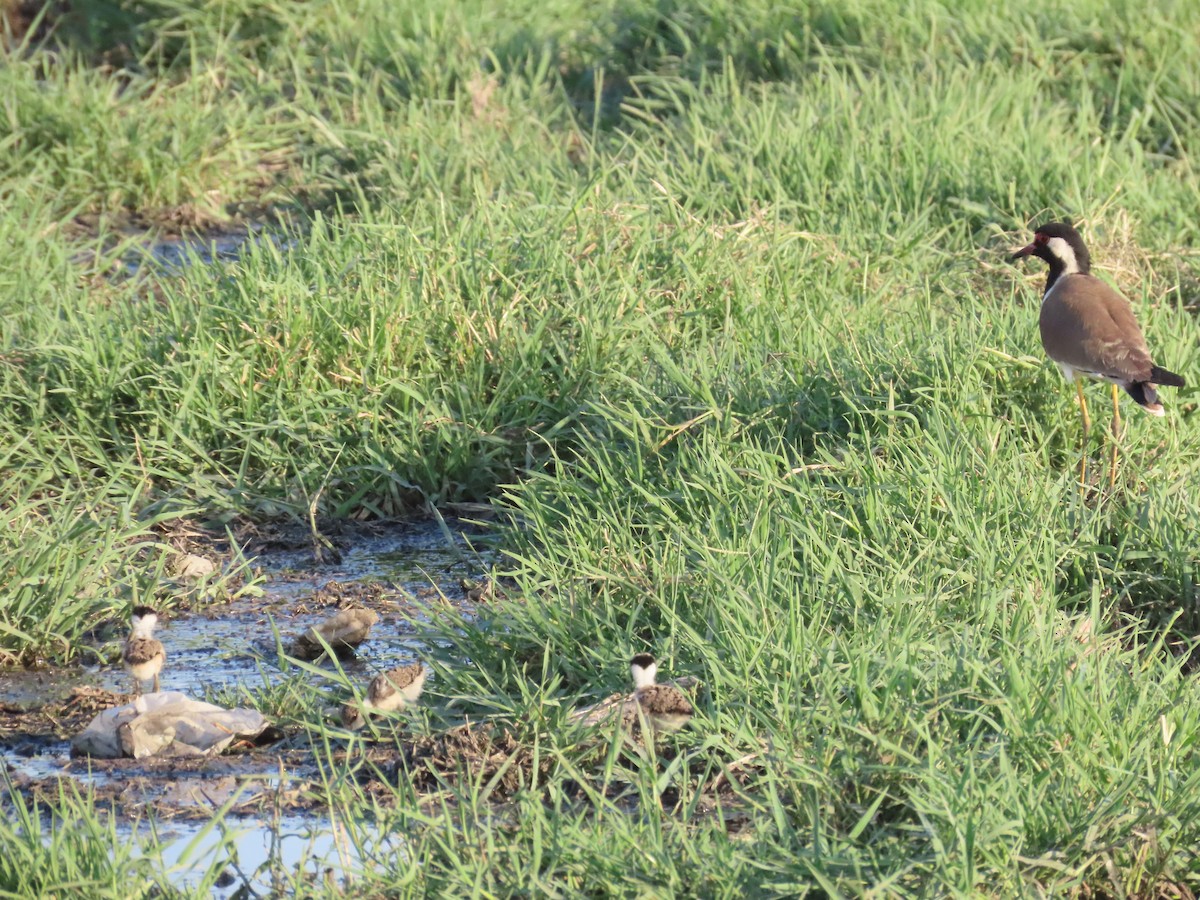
(143, 655)
(389, 691)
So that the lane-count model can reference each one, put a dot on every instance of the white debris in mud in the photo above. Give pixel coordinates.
(166, 724)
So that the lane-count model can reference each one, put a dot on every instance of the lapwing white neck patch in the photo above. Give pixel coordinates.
(1065, 254)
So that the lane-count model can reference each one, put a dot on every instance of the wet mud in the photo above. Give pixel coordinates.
(260, 809)
(393, 569)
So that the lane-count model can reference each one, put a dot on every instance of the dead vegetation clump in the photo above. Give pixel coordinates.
(471, 753)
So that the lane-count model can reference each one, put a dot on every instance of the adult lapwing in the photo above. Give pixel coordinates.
(1088, 328)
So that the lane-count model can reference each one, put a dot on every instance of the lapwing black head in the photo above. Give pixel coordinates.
(1060, 245)
(1088, 328)
(643, 670)
(144, 614)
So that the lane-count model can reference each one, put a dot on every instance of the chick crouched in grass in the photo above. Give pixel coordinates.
(665, 707)
(143, 655)
(387, 692)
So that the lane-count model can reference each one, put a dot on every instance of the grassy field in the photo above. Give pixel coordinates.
(713, 299)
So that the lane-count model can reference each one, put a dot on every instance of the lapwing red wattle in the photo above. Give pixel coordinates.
(1088, 328)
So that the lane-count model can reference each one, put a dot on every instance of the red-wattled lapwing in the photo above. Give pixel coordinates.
(143, 655)
(664, 706)
(1089, 329)
(389, 691)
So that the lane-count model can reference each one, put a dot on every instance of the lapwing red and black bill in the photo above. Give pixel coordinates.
(1088, 328)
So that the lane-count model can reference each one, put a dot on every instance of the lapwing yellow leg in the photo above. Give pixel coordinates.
(1087, 426)
(1116, 436)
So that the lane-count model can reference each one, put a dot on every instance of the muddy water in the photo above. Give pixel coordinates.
(174, 255)
(271, 856)
(393, 570)
(390, 573)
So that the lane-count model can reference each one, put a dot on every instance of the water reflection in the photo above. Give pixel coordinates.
(271, 856)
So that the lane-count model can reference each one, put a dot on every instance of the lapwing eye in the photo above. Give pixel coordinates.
(1039, 238)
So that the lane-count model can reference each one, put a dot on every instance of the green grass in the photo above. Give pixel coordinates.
(712, 297)
(68, 846)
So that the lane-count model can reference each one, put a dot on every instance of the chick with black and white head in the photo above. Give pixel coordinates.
(142, 654)
(664, 706)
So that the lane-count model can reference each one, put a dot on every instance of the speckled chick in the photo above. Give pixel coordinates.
(664, 706)
(342, 632)
(142, 654)
(388, 691)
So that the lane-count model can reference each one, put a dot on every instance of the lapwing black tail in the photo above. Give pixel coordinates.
(1165, 378)
(1144, 394)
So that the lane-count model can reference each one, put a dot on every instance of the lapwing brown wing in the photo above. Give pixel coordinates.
(1089, 330)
